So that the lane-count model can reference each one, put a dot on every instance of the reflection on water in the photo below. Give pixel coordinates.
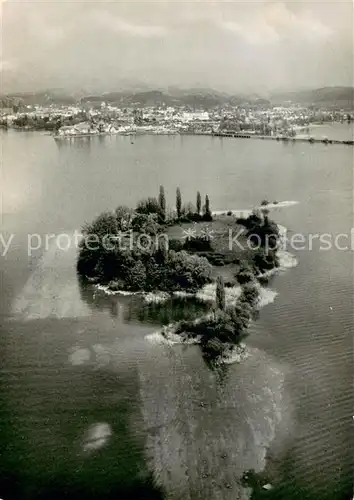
(134, 308)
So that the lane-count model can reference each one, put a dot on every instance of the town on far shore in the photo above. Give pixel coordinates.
(105, 115)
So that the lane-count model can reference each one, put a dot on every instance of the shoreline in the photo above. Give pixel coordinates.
(300, 138)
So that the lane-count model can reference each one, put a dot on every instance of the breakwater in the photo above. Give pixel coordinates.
(311, 140)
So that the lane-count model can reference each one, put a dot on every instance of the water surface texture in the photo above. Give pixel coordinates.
(92, 409)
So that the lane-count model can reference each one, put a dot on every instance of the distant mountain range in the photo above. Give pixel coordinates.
(340, 97)
(329, 97)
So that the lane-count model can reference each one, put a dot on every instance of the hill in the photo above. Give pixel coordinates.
(198, 98)
(327, 97)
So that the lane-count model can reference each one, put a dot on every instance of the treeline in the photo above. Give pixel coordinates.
(182, 212)
(50, 124)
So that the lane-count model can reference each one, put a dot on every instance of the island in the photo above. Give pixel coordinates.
(185, 251)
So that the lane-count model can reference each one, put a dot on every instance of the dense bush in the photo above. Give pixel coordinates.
(151, 269)
(260, 229)
(124, 216)
(244, 274)
(176, 245)
(91, 251)
(250, 294)
(188, 271)
(105, 223)
(146, 223)
(264, 260)
(149, 206)
(136, 277)
(223, 326)
(197, 244)
(252, 221)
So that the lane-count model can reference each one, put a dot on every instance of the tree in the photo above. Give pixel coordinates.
(188, 271)
(220, 293)
(149, 206)
(162, 202)
(124, 217)
(244, 274)
(250, 294)
(207, 212)
(178, 202)
(199, 203)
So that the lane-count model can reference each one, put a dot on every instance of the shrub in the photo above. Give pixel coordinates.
(244, 274)
(110, 264)
(260, 229)
(250, 294)
(105, 223)
(92, 255)
(87, 260)
(188, 271)
(136, 277)
(229, 213)
(264, 260)
(176, 245)
(197, 244)
(223, 326)
(156, 275)
(213, 349)
(124, 216)
(146, 223)
(207, 217)
(254, 220)
(149, 206)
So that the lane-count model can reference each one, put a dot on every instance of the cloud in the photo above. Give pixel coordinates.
(302, 25)
(41, 29)
(254, 33)
(224, 44)
(119, 25)
(276, 22)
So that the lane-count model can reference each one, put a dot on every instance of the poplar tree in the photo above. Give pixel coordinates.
(220, 293)
(207, 212)
(178, 202)
(199, 203)
(162, 202)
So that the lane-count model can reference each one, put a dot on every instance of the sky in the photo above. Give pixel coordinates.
(233, 46)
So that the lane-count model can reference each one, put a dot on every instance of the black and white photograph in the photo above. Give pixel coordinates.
(176, 250)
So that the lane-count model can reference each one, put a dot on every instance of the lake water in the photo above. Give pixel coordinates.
(92, 409)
